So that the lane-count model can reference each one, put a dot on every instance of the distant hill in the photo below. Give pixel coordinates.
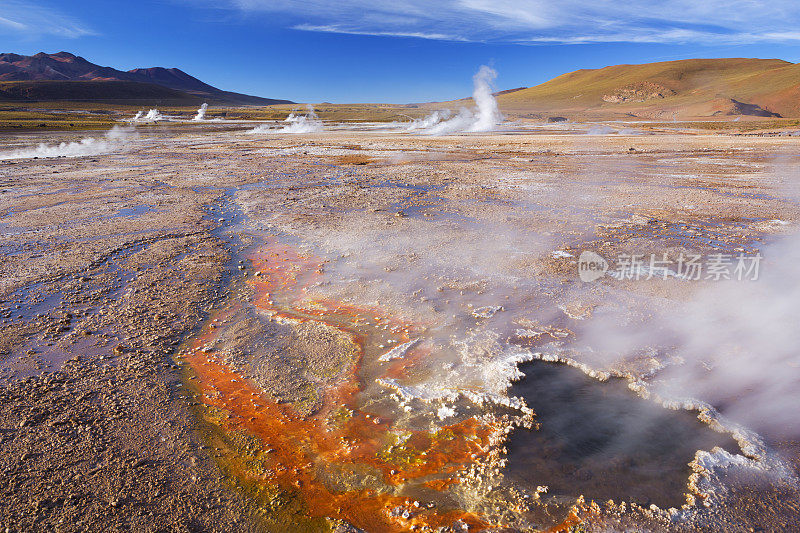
(88, 81)
(673, 89)
(127, 92)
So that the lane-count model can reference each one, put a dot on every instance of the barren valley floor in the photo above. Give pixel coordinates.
(207, 330)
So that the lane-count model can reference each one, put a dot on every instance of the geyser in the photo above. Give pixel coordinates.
(201, 113)
(485, 117)
(151, 116)
(308, 123)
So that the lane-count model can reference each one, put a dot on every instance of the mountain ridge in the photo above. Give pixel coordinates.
(67, 67)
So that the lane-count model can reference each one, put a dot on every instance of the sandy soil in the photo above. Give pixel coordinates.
(115, 264)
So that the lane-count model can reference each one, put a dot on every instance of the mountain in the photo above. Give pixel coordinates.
(66, 67)
(687, 88)
(95, 91)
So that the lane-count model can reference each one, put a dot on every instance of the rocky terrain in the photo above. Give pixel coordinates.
(197, 330)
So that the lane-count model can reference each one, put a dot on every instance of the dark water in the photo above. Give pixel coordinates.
(601, 440)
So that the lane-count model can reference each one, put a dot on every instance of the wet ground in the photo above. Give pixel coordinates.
(206, 329)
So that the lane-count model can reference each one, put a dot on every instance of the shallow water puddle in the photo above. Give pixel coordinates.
(600, 440)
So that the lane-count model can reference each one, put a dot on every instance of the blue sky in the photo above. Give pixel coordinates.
(394, 50)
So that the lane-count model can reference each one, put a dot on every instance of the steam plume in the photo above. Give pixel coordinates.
(484, 117)
(488, 114)
(308, 123)
(151, 116)
(201, 113)
(733, 346)
(115, 139)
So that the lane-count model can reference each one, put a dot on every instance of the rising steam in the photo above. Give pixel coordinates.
(115, 139)
(424, 124)
(488, 114)
(472, 360)
(733, 346)
(201, 113)
(151, 116)
(485, 117)
(739, 346)
(308, 123)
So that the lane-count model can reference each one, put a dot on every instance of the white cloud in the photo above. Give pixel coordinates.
(14, 25)
(543, 21)
(30, 20)
(418, 35)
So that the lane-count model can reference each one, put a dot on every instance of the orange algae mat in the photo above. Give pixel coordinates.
(339, 437)
(301, 447)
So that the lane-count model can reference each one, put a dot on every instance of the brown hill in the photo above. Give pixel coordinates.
(66, 67)
(682, 89)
